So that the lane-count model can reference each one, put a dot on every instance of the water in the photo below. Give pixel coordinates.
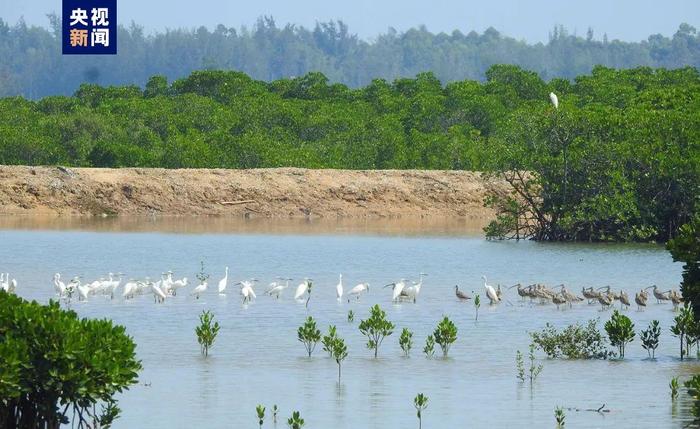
(257, 358)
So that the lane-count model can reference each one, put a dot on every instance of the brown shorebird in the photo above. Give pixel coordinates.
(461, 295)
(660, 296)
(641, 299)
(624, 299)
(589, 294)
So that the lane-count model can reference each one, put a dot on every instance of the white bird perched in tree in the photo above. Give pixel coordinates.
(200, 289)
(358, 290)
(5, 284)
(490, 292)
(339, 288)
(302, 289)
(223, 282)
(554, 99)
(13, 286)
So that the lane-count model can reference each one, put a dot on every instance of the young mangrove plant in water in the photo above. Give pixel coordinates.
(534, 369)
(445, 334)
(376, 328)
(429, 348)
(519, 366)
(274, 413)
(295, 422)
(620, 330)
(650, 338)
(329, 340)
(406, 341)
(559, 416)
(574, 342)
(421, 403)
(351, 316)
(693, 386)
(309, 335)
(202, 275)
(260, 410)
(673, 385)
(477, 304)
(206, 331)
(684, 325)
(339, 351)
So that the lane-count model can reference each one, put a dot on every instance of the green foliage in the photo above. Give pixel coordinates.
(202, 275)
(55, 364)
(351, 316)
(429, 348)
(309, 335)
(650, 338)
(206, 331)
(693, 386)
(477, 304)
(559, 416)
(686, 248)
(376, 328)
(420, 402)
(406, 341)
(620, 330)
(260, 411)
(520, 365)
(574, 342)
(673, 385)
(535, 369)
(295, 421)
(328, 340)
(445, 334)
(683, 328)
(339, 351)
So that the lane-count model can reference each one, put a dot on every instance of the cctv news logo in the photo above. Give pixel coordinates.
(89, 27)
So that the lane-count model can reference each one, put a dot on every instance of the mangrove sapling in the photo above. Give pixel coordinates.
(559, 416)
(535, 369)
(309, 335)
(620, 330)
(202, 275)
(574, 342)
(477, 304)
(445, 334)
(673, 385)
(684, 322)
(206, 331)
(520, 366)
(295, 422)
(406, 341)
(693, 386)
(650, 338)
(351, 316)
(421, 403)
(274, 413)
(260, 410)
(328, 340)
(339, 351)
(376, 328)
(429, 348)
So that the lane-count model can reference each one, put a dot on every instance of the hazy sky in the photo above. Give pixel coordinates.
(532, 20)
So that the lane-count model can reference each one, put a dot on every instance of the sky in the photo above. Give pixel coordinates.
(531, 20)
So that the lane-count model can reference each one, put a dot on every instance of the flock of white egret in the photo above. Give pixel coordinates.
(402, 290)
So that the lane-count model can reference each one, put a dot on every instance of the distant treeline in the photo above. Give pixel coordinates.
(618, 160)
(31, 63)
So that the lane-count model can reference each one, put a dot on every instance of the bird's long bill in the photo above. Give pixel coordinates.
(604, 287)
(390, 284)
(650, 287)
(511, 287)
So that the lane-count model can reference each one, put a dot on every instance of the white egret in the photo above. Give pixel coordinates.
(13, 286)
(490, 292)
(554, 99)
(178, 284)
(158, 293)
(129, 289)
(277, 289)
(302, 289)
(339, 288)
(358, 290)
(58, 285)
(200, 289)
(397, 288)
(223, 282)
(412, 292)
(83, 291)
(247, 291)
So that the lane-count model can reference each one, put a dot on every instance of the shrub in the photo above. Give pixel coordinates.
(406, 341)
(420, 402)
(683, 327)
(445, 334)
(620, 330)
(329, 340)
(574, 342)
(309, 335)
(206, 331)
(376, 328)
(51, 358)
(429, 348)
(650, 338)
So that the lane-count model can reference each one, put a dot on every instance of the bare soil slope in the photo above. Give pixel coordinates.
(276, 193)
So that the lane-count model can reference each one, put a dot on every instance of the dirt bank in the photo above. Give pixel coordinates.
(273, 193)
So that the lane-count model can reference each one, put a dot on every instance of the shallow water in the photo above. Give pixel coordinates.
(257, 358)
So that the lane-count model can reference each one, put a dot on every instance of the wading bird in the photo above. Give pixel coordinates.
(397, 288)
(223, 282)
(339, 288)
(461, 295)
(58, 285)
(523, 292)
(247, 292)
(358, 290)
(570, 297)
(590, 294)
(200, 289)
(490, 292)
(412, 292)
(641, 299)
(660, 296)
(624, 299)
(277, 287)
(675, 298)
(302, 289)
(605, 299)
